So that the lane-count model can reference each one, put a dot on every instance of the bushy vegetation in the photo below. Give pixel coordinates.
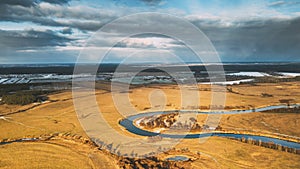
(6, 89)
(23, 98)
(284, 110)
(276, 80)
(20, 99)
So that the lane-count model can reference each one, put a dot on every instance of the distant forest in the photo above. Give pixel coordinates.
(86, 68)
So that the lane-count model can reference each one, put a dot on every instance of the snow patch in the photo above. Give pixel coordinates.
(252, 74)
(289, 74)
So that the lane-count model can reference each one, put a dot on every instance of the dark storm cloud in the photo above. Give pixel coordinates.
(31, 39)
(28, 3)
(258, 39)
(25, 3)
(56, 1)
(83, 18)
(255, 39)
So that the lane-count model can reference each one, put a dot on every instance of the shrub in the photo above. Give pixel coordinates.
(19, 99)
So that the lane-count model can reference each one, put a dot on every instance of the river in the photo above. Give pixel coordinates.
(127, 123)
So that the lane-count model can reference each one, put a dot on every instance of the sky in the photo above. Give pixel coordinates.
(56, 31)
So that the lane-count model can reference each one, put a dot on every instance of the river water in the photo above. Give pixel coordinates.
(128, 125)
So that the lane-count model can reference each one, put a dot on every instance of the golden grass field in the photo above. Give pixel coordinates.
(58, 116)
(52, 154)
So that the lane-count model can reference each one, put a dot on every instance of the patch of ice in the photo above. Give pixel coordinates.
(229, 82)
(2, 80)
(252, 74)
(290, 74)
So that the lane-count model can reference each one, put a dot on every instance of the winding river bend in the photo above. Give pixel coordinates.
(127, 123)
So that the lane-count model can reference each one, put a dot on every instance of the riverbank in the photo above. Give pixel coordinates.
(153, 116)
(270, 140)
